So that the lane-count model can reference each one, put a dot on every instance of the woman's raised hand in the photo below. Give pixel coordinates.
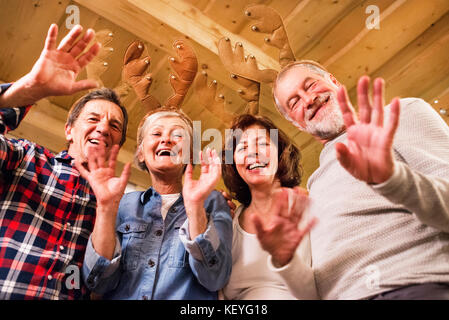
(197, 191)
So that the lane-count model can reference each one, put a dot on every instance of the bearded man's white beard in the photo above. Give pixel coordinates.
(331, 124)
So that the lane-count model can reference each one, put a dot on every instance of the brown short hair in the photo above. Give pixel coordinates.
(289, 170)
(100, 94)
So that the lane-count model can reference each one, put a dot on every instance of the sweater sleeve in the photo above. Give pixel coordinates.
(298, 274)
(420, 181)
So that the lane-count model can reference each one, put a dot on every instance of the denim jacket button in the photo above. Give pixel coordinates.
(127, 227)
(158, 233)
(151, 263)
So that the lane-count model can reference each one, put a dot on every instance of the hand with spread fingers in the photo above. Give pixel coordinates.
(368, 155)
(57, 68)
(195, 192)
(100, 173)
(281, 236)
(108, 189)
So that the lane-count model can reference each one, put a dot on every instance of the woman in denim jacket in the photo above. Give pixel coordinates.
(172, 241)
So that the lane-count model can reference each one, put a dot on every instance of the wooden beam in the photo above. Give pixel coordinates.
(229, 13)
(346, 24)
(420, 69)
(400, 24)
(306, 28)
(25, 24)
(190, 21)
(441, 102)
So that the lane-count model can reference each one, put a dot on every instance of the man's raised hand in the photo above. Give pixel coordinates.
(100, 173)
(56, 70)
(368, 155)
(281, 236)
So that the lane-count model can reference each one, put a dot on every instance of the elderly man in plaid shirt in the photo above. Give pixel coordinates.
(47, 210)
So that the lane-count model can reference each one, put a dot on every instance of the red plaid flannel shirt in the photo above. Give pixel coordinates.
(47, 212)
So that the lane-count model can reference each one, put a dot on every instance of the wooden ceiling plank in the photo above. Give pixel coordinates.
(311, 19)
(25, 25)
(433, 92)
(419, 67)
(421, 74)
(342, 30)
(371, 49)
(441, 102)
(229, 13)
(193, 23)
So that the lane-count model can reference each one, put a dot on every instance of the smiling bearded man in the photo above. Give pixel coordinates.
(380, 191)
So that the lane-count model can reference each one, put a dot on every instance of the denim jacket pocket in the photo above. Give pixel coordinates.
(179, 257)
(132, 235)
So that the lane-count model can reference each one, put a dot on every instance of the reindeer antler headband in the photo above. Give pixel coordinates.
(243, 68)
(135, 67)
(134, 73)
(269, 21)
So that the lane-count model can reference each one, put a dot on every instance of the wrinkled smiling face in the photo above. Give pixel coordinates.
(98, 127)
(310, 101)
(165, 145)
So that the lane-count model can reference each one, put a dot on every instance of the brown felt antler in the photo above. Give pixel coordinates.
(269, 21)
(207, 97)
(99, 65)
(135, 67)
(186, 68)
(237, 63)
(245, 73)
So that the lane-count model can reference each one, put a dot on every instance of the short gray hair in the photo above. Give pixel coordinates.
(310, 65)
(151, 118)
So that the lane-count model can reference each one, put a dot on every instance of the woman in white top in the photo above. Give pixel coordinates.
(262, 171)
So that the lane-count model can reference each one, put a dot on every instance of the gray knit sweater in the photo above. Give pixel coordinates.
(375, 238)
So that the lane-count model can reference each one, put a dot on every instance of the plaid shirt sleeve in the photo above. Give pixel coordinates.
(11, 152)
(47, 212)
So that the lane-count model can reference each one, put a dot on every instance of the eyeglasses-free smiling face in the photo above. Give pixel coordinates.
(99, 126)
(256, 156)
(165, 145)
(310, 100)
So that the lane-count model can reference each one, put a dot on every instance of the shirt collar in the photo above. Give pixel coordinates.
(146, 196)
(63, 156)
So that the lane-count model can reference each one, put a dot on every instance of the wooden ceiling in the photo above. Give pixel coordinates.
(410, 50)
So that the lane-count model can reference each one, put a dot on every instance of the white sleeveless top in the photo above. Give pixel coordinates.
(251, 279)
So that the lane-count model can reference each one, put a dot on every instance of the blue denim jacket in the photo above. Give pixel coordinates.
(157, 259)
